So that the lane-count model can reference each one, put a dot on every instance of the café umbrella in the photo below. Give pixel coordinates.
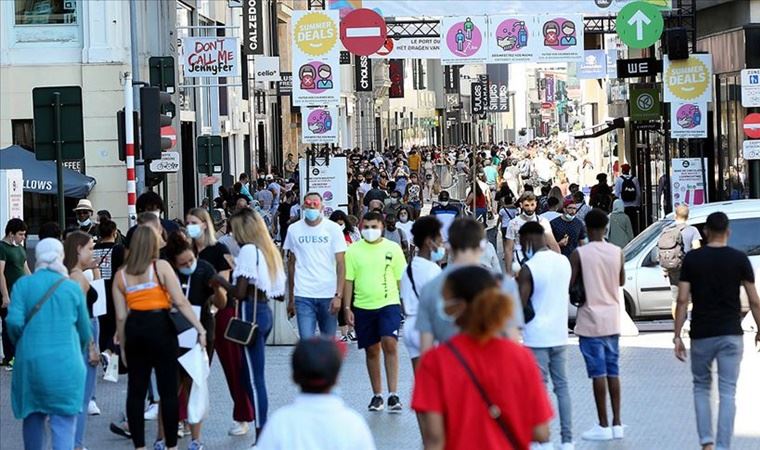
(40, 176)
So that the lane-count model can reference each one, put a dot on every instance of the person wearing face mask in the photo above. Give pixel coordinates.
(568, 230)
(445, 212)
(316, 269)
(405, 223)
(372, 305)
(83, 212)
(513, 256)
(392, 204)
(395, 234)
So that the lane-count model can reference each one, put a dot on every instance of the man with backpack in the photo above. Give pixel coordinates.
(628, 190)
(674, 243)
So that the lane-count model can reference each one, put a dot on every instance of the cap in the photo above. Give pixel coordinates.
(625, 167)
(316, 363)
(84, 205)
(568, 202)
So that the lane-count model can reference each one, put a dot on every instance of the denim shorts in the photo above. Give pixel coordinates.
(372, 325)
(601, 355)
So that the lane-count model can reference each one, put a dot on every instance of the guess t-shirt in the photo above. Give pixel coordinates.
(314, 248)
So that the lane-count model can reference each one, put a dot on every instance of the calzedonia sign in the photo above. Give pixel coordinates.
(363, 73)
(253, 27)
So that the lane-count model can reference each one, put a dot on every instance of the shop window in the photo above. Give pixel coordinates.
(46, 12)
(23, 133)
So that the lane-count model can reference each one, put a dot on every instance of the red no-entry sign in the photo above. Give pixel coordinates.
(363, 32)
(169, 132)
(752, 125)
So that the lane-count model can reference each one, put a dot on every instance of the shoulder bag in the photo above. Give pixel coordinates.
(241, 331)
(37, 306)
(181, 324)
(493, 410)
(577, 290)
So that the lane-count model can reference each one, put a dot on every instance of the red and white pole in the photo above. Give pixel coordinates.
(129, 151)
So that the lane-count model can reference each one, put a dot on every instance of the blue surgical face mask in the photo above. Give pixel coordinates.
(194, 230)
(440, 306)
(311, 214)
(437, 254)
(189, 270)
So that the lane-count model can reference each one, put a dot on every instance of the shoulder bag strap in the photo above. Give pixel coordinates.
(411, 278)
(45, 297)
(256, 290)
(493, 410)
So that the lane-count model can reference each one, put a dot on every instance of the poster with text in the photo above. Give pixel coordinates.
(688, 80)
(687, 182)
(320, 125)
(409, 48)
(688, 120)
(560, 38)
(210, 57)
(316, 58)
(328, 178)
(512, 38)
(594, 66)
(464, 40)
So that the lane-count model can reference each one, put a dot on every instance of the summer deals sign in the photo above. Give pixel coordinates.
(320, 125)
(688, 80)
(464, 40)
(316, 58)
(210, 57)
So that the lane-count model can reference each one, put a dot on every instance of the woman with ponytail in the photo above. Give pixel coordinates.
(479, 389)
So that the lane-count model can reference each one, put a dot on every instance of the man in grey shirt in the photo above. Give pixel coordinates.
(465, 238)
(692, 240)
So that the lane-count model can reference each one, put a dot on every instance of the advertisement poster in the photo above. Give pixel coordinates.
(512, 38)
(688, 120)
(561, 38)
(437, 8)
(594, 66)
(328, 178)
(320, 125)
(210, 57)
(266, 68)
(316, 58)
(464, 40)
(687, 182)
(688, 80)
(410, 48)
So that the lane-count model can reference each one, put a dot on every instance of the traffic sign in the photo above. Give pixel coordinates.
(752, 125)
(170, 133)
(644, 104)
(363, 32)
(169, 163)
(751, 88)
(639, 24)
(751, 150)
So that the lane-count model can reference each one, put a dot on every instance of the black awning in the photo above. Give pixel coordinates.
(601, 129)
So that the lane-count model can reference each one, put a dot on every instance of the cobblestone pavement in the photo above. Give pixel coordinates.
(657, 402)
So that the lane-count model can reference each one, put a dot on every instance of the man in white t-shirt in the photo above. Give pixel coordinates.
(544, 282)
(512, 249)
(316, 269)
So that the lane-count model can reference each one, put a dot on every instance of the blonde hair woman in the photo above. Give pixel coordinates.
(258, 273)
(147, 287)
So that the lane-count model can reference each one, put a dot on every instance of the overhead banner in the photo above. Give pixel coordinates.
(328, 178)
(688, 120)
(464, 40)
(266, 68)
(687, 183)
(320, 125)
(498, 87)
(688, 80)
(253, 27)
(561, 38)
(362, 74)
(410, 48)
(594, 66)
(512, 38)
(396, 75)
(210, 57)
(316, 58)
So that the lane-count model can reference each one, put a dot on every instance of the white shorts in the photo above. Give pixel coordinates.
(411, 337)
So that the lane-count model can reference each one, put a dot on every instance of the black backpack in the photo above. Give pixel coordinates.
(628, 190)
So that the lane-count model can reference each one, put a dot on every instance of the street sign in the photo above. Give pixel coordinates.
(162, 72)
(169, 163)
(640, 67)
(363, 32)
(170, 133)
(209, 159)
(639, 24)
(644, 104)
(752, 125)
(751, 150)
(751, 88)
(69, 117)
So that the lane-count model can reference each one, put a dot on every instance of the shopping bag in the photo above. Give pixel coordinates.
(112, 369)
(196, 364)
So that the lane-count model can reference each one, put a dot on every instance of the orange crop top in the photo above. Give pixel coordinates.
(146, 296)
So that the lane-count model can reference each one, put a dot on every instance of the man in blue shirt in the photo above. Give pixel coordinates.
(445, 212)
(568, 230)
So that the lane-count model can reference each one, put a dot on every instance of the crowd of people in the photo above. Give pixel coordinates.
(406, 260)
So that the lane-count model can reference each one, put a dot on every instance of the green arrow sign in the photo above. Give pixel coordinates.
(639, 24)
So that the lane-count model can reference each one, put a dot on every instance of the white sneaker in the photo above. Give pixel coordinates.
(618, 431)
(239, 429)
(568, 446)
(151, 412)
(598, 433)
(92, 408)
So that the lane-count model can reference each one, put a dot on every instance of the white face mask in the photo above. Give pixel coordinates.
(194, 230)
(84, 223)
(371, 234)
(155, 213)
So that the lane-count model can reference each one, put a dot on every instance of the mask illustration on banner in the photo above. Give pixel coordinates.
(319, 121)
(559, 34)
(464, 38)
(512, 35)
(689, 116)
(316, 77)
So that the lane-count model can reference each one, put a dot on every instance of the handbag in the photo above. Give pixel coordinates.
(241, 331)
(493, 410)
(181, 323)
(37, 306)
(577, 290)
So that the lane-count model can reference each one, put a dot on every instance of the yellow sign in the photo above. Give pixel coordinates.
(315, 34)
(688, 79)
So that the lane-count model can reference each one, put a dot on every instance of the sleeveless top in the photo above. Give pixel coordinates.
(600, 266)
(146, 296)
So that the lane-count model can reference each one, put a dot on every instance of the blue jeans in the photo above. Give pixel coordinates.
(253, 359)
(61, 427)
(311, 312)
(727, 350)
(553, 363)
(89, 386)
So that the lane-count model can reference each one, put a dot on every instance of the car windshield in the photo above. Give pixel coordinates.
(645, 238)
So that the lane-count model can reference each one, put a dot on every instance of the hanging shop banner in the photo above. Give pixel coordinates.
(285, 85)
(253, 27)
(396, 75)
(316, 58)
(512, 38)
(210, 57)
(687, 182)
(688, 80)
(320, 125)
(644, 104)
(362, 74)
(561, 38)
(409, 48)
(266, 68)
(498, 87)
(594, 66)
(464, 40)
(688, 120)
(328, 178)
(479, 98)
(549, 91)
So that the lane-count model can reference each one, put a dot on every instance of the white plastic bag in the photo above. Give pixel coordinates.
(112, 369)
(196, 364)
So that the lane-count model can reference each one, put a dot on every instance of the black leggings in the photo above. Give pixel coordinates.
(151, 345)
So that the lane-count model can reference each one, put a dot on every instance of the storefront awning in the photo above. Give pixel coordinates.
(40, 176)
(600, 129)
